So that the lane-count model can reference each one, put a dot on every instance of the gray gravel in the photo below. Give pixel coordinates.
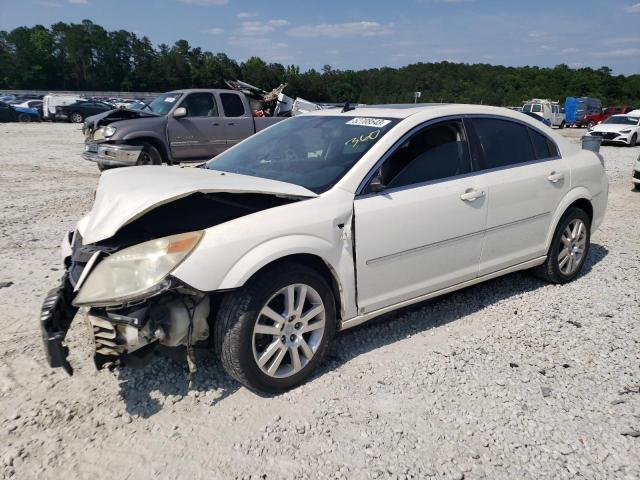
(510, 379)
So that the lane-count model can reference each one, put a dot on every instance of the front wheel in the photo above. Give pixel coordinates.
(591, 124)
(24, 118)
(562, 125)
(272, 333)
(569, 248)
(634, 140)
(149, 155)
(76, 117)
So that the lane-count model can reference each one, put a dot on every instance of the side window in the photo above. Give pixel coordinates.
(200, 105)
(435, 152)
(542, 145)
(232, 105)
(503, 143)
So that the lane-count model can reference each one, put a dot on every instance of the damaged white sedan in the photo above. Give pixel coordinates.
(318, 224)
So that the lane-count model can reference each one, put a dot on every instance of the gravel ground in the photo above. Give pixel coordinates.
(510, 379)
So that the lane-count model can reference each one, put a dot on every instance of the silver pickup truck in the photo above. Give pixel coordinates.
(178, 126)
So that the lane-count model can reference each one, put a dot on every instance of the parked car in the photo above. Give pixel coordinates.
(550, 111)
(10, 113)
(178, 126)
(590, 120)
(78, 111)
(54, 100)
(623, 129)
(321, 223)
(578, 110)
(635, 176)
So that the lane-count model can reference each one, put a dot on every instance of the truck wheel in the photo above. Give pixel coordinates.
(76, 117)
(634, 140)
(569, 248)
(149, 155)
(24, 118)
(272, 333)
(562, 125)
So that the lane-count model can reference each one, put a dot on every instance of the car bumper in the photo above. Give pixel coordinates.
(109, 155)
(613, 138)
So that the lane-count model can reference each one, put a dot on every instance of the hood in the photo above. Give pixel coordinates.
(125, 194)
(612, 127)
(105, 118)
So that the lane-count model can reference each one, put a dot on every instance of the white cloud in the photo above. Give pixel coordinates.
(635, 8)
(213, 31)
(79, 2)
(247, 14)
(622, 52)
(257, 27)
(49, 4)
(569, 50)
(205, 3)
(336, 30)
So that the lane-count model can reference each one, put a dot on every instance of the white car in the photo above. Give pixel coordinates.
(618, 129)
(635, 176)
(317, 224)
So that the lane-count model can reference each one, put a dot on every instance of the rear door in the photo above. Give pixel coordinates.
(6, 114)
(526, 179)
(424, 231)
(201, 133)
(237, 120)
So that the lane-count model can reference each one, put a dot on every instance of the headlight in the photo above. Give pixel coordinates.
(136, 272)
(628, 130)
(104, 132)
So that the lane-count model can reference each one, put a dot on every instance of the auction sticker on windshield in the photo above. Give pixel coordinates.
(369, 122)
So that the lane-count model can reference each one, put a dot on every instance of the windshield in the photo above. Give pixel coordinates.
(312, 151)
(165, 102)
(622, 120)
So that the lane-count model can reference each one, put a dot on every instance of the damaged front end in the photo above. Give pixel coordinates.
(133, 304)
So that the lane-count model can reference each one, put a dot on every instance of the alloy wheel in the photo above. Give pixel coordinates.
(573, 244)
(288, 330)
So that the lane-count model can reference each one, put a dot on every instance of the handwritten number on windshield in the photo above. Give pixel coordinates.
(355, 141)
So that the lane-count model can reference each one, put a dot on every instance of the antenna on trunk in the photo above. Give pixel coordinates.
(347, 107)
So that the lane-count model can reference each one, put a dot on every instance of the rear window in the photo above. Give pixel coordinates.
(232, 105)
(503, 143)
(542, 145)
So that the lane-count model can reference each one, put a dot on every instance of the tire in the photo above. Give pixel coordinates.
(24, 118)
(636, 187)
(149, 155)
(239, 346)
(76, 117)
(634, 140)
(562, 125)
(591, 124)
(553, 270)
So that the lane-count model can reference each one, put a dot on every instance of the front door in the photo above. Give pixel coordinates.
(424, 231)
(6, 114)
(525, 178)
(201, 133)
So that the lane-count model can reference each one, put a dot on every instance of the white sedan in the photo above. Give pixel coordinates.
(618, 129)
(320, 223)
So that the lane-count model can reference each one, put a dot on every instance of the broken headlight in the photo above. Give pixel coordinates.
(136, 272)
(104, 132)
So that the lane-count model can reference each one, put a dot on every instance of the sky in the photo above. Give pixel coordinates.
(356, 34)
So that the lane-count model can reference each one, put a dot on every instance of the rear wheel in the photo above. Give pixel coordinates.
(591, 124)
(569, 248)
(272, 333)
(76, 117)
(24, 118)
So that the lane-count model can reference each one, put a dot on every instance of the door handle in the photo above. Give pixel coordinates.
(231, 123)
(555, 177)
(471, 195)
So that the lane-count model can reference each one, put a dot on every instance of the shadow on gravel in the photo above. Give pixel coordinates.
(164, 380)
(421, 317)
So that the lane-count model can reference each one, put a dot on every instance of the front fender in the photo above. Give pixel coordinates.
(578, 193)
(271, 251)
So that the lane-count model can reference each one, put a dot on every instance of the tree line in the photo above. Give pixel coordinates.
(85, 56)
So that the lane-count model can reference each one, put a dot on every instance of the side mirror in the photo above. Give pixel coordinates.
(180, 112)
(376, 185)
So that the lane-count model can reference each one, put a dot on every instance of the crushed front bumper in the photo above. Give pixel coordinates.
(111, 155)
(56, 316)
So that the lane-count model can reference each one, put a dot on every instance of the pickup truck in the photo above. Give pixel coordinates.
(179, 126)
